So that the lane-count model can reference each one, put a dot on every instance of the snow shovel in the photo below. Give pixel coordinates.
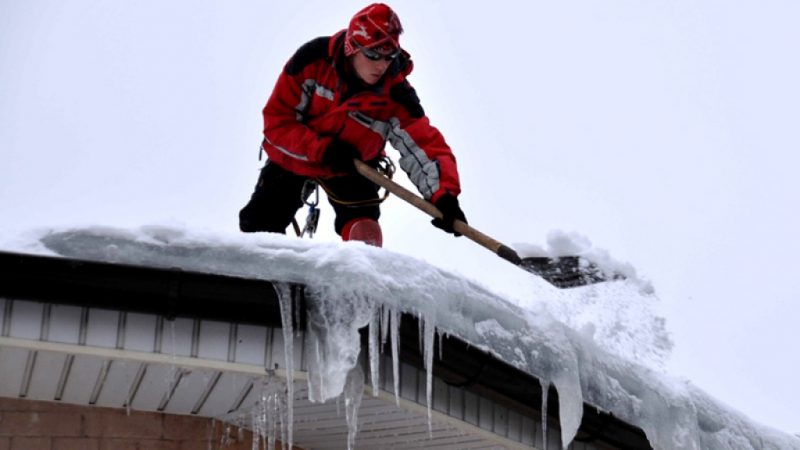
(562, 272)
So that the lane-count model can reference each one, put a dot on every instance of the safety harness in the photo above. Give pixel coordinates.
(385, 166)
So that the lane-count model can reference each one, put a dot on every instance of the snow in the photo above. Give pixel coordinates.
(603, 344)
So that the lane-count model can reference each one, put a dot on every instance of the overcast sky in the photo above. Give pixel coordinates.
(664, 131)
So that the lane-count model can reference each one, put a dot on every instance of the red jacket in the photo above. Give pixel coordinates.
(318, 97)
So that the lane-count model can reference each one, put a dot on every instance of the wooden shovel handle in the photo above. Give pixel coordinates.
(459, 226)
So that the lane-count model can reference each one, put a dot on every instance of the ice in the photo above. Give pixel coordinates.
(395, 341)
(353, 392)
(440, 336)
(385, 314)
(374, 351)
(269, 414)
(286, 299)
(333, 324)
(430, 334)
(609, 358)
(545, 388)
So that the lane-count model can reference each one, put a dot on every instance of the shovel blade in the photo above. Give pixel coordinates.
(567, 271)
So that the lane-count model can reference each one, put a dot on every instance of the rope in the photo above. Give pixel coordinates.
(385, 166)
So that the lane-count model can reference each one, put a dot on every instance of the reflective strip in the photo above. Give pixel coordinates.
(421, 170)
(378, 126)
(307, 90)
(286, 151)
(324, 92)
(305, 99)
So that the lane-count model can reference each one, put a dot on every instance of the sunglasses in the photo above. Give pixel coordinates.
(374, 55)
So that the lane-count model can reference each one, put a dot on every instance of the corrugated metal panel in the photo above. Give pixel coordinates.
(207, 368)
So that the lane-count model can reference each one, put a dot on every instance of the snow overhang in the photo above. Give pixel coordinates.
(95, 333)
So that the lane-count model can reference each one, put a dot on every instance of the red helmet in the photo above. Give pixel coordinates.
(375, 26)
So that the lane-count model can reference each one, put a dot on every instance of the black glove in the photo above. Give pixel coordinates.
(448, 205)
(339, 156)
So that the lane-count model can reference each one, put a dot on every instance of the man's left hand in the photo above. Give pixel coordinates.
(339, 156)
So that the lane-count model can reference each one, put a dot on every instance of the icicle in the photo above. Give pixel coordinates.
(315, 361)
(440, 336)
(211, 433)
(226, 439)
(269, 413)
(395, 337)
(430, 334)
(286, 298)
(545, 389)
(297, 299)
(420, 321)
(255, 425)
(385, 312)
(374, 351)
(333, 340)
(353, 392)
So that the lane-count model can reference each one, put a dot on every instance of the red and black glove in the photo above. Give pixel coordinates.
(448, 205)
(339, 156)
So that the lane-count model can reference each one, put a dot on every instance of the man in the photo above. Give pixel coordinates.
(341, 98)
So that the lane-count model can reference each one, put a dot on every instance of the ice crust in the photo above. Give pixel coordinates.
(350, 285)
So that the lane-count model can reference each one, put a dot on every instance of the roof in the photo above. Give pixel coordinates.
(103, 332)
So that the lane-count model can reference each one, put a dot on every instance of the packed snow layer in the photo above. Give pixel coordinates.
(574, 339)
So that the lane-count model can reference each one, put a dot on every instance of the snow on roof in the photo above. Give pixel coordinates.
(600, 344)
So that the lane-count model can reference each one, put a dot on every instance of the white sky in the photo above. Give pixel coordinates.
(665, 131)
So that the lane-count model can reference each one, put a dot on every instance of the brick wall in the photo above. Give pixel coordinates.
(34, 425)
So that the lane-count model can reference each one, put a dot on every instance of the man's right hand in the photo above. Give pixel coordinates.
(451, 211)
(339, 156)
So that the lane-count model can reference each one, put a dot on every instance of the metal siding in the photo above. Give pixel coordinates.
(140, 332)
(115, 386)
(440, 399)
(177, 337)
(82, 376)
(11, 372)
(471, 412)
(227, 388)
(485, 414)
(553, 437)
(101, 330)
(500, 420)
(408, 382)
(529, 432)
(211, 393)
(65, 324)
(251, 344)
(152, 387)
(3, 323)
(26, 320)
(246, 395)
(189, 388)
(456, 404)
(45, 374)
(214, 340)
